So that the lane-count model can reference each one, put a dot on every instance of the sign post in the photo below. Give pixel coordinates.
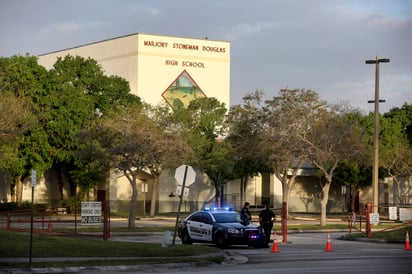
(183, 173)
(33, 184)
(284, 222)
(144, 190)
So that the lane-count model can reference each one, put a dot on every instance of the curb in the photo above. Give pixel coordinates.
(369, 240)
(229, 259)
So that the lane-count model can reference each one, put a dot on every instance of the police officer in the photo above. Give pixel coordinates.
(266, 219)
(245, 212)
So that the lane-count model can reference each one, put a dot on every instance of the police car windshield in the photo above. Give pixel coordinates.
(222, 217)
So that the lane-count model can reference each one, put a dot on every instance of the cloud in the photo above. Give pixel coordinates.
(247, 29)
(383, 21)
(61, 28)
(151, 11)
(393, 88)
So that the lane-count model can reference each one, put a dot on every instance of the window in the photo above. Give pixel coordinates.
(227, 217)
(197, 217)
(207, 219)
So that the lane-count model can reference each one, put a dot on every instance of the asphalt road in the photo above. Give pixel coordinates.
(303, 253)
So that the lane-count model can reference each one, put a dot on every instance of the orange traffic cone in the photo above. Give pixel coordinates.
(407, 245)
(328, 244)
(275, 244)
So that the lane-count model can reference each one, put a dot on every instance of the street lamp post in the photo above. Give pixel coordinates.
(375, 178)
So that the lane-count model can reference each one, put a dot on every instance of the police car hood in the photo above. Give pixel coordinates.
(239, 226)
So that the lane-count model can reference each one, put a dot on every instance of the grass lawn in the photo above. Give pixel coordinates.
(16, 244)
(390, 232)
(394, 233)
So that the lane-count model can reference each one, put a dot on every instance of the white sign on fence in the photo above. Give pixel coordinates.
(374, 218)
(91, 213)
(405, 214)
(393, 214)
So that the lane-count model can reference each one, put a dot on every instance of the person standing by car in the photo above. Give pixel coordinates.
(245, 212)
(266, 219)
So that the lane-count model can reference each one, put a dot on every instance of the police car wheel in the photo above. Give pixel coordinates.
(186, 238)
(220, 241)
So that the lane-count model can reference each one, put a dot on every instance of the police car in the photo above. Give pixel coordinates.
(222, 227)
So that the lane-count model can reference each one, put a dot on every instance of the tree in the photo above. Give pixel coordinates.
(353, 174)
(82, 95)
(244, 126)
(218, 165)
(394, 145)
(357, 172)
(23, 78)
(72, 110)
(330, 140)
(404, 116)
(288, 117)
(132, 142)
(395, 148)
(16, 120)
(172, 141)
(203, 124)
(130, 134)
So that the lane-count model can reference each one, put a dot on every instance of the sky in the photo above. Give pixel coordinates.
(319, 45)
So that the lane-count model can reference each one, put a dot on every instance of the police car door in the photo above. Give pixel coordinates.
(200, 227)
(207, 224)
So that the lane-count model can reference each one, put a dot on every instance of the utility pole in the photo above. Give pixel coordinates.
(375, 177)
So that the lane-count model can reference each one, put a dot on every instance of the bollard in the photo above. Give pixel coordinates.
(166, 238)
(49, 227)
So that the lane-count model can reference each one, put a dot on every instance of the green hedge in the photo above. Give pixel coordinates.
(24, 205)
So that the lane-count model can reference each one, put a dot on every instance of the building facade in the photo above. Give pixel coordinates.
(169, 69)
(161, 68)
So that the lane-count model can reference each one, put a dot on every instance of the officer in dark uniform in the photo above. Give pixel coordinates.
(266, 219)
(245, 212)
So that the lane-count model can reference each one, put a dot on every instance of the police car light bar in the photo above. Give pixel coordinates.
(217, 208)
